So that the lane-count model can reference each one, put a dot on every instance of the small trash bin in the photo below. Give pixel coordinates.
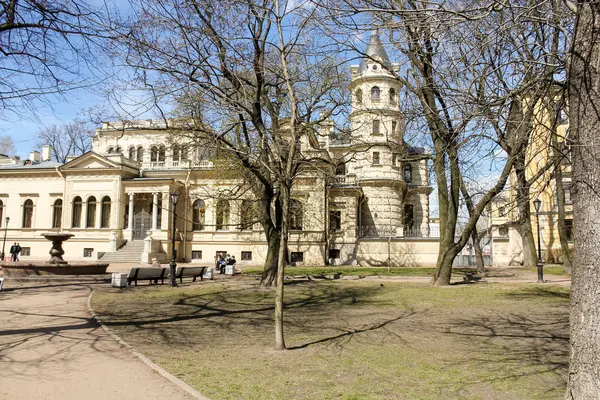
(208, 274)
(229, 270)
(119, 280)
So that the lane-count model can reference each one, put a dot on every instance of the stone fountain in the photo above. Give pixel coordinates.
(55, 265)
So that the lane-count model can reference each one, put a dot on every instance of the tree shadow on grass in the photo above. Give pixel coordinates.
(533, 346)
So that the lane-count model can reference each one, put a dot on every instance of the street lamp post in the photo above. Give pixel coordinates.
(7, 219)
(537, 203)
(173, 264)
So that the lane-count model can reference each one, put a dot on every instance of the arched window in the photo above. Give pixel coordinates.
(340, 168)
(57, 213)
(376, 130)
(393, 96)
(375, 93)
(140, 154)
(198, 215)
(118, 150)
(296, 214)
(28, 213)
(110, 150)
(90, 221)
(247, 215)
(77, 211)
(222, 215)
(408, 173)
(161, 153)
(105, 212)
(358, 95)
(176, 152)
(132, 153)
(153, 153)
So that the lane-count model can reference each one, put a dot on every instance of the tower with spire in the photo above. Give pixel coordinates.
(394, 201)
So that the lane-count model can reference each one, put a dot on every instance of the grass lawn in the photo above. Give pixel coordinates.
(397, 341)
(355, 271)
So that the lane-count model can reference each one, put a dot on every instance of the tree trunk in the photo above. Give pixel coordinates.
(584, 106)
(269, 274)
(478, 254)
(443, 271)
(285, 202)
(523, 204)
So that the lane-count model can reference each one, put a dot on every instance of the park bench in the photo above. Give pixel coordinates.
(150, 273)
(186, 272)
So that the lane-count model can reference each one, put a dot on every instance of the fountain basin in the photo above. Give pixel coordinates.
(32, 268)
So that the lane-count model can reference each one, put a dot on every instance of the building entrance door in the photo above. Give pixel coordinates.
(142, 219)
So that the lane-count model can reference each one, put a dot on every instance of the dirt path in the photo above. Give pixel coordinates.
(50, 349)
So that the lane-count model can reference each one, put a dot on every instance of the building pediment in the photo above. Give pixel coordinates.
(95, 161)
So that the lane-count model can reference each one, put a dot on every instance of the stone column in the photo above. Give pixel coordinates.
(130, 216)
(155, 211)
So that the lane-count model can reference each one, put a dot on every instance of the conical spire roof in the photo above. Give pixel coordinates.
(376, 51)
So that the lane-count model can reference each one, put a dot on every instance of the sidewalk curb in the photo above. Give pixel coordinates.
(171, 378)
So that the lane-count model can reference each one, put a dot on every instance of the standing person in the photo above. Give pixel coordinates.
(13, 252)
(17, 252)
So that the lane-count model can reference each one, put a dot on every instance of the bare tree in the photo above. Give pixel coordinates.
(7, 146)
(584, 120)
(72, 139)
(48, 48)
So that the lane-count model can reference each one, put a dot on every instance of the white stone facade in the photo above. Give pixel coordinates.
(373, 210)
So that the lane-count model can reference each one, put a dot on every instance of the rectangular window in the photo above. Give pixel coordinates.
(246, 256)
(394, 126)
(334, 253)
(25, 251)
(396, 157)
(376, 130)
(376, 160)
(196, 255)
(567, 188)
(297, 257)
(569, 228)
(335, 220)
(87, 252)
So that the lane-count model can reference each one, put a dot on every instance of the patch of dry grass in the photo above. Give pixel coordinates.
(397, 341)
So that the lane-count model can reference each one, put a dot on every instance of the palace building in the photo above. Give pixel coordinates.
(115, 199)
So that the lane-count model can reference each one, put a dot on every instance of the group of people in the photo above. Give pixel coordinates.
(14, 251)
(221, 262)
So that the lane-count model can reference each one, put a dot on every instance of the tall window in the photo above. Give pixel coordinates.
(375, 93)
(222, 215)
(140, 154)
(132, 153)
(296, 214)
(153, 153)
(198, 215)
(1, 212)
(409, 216)
(77, 211)
(376, 158)
(408, 173)
(569, 228)
(335, 220)
(358, 95)
(28, 213)
(91, 213)
(247, 215)
(176, 152)
(161, 153)
(105, 212)
(184, 153)
(57, 213)
(393, 95)
(376, 130)
(394, 124)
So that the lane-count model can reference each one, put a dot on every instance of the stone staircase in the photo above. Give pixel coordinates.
(130, 252)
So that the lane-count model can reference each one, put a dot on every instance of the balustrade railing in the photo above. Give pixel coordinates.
(196, 164)
(343, 180)
(372, 231)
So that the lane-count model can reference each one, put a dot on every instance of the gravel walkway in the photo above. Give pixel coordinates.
(50, 349)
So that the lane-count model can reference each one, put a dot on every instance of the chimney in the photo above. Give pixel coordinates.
(34, 156)
(46, 152)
